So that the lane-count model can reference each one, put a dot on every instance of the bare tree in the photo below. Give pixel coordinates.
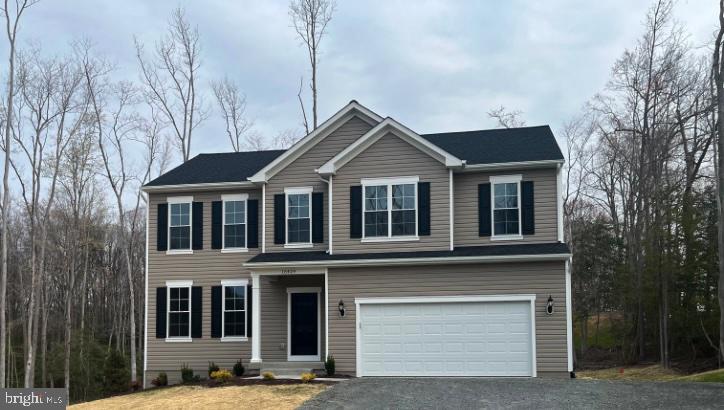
(12, 22)
(286, 138)
(505, 118)
(310, 19)
(170, 77)
(232, 103)
(718, 73)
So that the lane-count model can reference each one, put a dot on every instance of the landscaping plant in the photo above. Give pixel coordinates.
(329, 365)
(187, 374)
(238, 369)
(221, 375)
(212, 368)
(161, 380)
(308, 377)
(268, 376)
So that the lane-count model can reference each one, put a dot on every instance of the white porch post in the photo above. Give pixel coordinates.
(256, 318)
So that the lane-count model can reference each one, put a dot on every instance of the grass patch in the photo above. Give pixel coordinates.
(191, 397)
(714, 376)
(651, 373)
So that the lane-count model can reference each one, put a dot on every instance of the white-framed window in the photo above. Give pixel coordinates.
(299, 216)
(179, 223)
(178, 320)
(233, 304)
(506, 216)
(389, 208)
(234, 221)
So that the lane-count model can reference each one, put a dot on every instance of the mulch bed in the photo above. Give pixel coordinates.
(238, 381)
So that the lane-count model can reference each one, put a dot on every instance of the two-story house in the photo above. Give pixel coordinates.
(399, 254)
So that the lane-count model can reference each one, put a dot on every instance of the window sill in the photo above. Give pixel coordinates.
(391, 239)
(234, 339)
(178, 340)
(179, 252)
(234, 250)
(506, 238)
(298, 245)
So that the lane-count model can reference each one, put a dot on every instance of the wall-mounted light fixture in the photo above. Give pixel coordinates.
(549, 306)
(340, 306)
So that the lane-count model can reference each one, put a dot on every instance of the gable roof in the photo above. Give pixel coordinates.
(495, 146)
(216, 168)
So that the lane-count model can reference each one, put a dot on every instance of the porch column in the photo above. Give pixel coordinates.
(255, 318)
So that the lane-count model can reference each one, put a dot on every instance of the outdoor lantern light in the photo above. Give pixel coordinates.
(549, 306)
(341, 308)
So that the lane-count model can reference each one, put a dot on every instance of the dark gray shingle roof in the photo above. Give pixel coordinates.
(499, 145)
(222, 167)
(489, 250)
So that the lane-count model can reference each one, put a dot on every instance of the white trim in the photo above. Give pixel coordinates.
(179, 199)
(299, 190)
(145, 299)
(307, 358)
(197, 187)
(413, 261)
(406, 238)
(234, 198)
(505, 179)
(531, 298)
(506, 237)
(178, 340)
(330, 212)
(180, 252)
(233, 339)
(255, 319)
(326, 314)
(353, 109)
(451, 221)
(263, 218)
(390, 180)
(500, 166)
(298, 245)
(569, 316)
(389, 125)
(559, 202)
(179, 284)
(234, 250)
(234, 283)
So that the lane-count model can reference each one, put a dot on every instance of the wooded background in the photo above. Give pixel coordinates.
(641, 199)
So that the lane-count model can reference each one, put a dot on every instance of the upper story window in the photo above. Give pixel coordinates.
(390, 208)
(179, 226)
(179, 310)
(234, 305)
(299, 220)
(506, 206)
(234, 221)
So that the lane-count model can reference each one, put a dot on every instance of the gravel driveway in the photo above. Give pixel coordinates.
(468, 393)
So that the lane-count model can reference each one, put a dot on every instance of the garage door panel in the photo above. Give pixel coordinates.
(439, 339)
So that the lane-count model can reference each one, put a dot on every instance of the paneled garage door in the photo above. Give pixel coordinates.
(490, 338)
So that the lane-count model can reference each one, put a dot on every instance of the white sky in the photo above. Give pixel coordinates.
(434, 65)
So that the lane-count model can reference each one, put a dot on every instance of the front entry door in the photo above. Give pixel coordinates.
(304, 325)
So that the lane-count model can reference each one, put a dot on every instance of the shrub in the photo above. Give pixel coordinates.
(187, 374)
(213, 368)
(308, 377)
(222, 375)
(238, 369)
(161, 380)
(115, 373)
(329, 366)
(268, 376)
(135, 386)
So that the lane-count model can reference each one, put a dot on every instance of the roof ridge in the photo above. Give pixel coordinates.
(240, 152)
(489, 129)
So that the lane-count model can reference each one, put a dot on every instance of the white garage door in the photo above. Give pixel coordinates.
(446, 339)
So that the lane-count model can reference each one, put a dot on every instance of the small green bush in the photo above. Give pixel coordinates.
(268, 376)
(238, 369)
(213, 368)
(187, 374)
(222, 375)
(161, 380)
(329, 366)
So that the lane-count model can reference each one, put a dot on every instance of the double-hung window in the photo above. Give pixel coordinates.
(506, 207)
(299, 220)
(234, 222)
(234, 309)
(179, 310)
(390, 208)
(179, 223)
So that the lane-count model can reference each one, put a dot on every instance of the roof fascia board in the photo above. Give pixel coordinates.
(548, 163)
(388, 125)
(197, 187)
(313, 138)
(414, 261)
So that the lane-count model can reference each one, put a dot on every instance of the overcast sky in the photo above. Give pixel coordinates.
(433, 65)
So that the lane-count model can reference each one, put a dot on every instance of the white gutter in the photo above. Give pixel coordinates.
(194, 187)
(549, 163)
(145, 297)
(413, 261)
(263, 218)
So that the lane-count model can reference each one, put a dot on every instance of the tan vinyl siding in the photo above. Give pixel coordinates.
(390, 156)
(205, 268)
(466, 206)
(274, 313)
(301, 173)
(539, 278)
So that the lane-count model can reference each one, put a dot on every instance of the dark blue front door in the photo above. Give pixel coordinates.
(304, 324)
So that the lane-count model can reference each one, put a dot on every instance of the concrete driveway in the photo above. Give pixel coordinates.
(476, 393)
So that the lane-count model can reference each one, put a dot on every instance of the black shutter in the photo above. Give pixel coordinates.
(216, 299)
(317, 217)
(484, 226)
(527, 208)
(197, 231)
(196, 311)
(252, 223)
(248, 311)
(161, 313)
(355, 211)
(279, 228)
(423, 208)
(216, 224)
(162, 227)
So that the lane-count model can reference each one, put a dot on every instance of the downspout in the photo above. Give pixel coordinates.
(263, 218)
(329, 212)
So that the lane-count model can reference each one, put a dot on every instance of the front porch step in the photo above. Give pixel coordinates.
(290, 368)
